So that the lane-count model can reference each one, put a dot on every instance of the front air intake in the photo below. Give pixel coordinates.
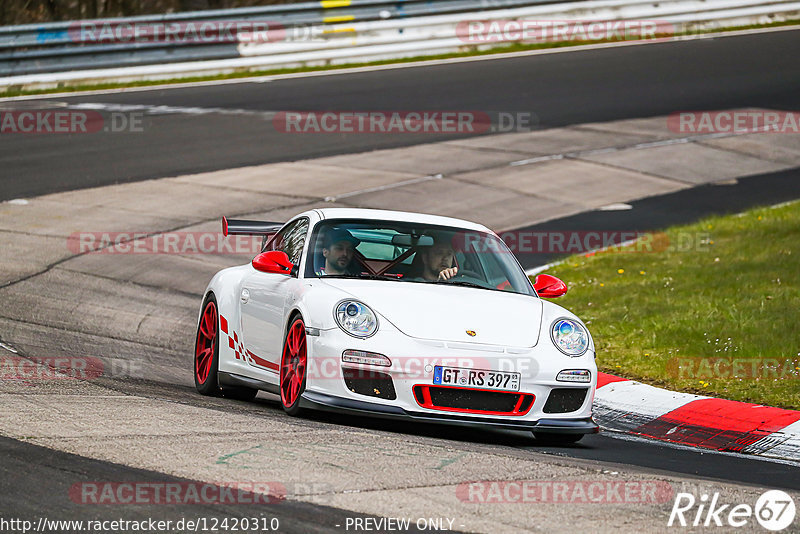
(469, 400)
(564, 400)
(369, 383)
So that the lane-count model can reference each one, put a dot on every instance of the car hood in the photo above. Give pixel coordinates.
(444, 312)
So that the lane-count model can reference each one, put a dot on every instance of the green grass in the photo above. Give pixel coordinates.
(246, 73)
(734, 296)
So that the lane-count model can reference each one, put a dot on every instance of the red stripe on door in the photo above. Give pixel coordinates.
(263, 363)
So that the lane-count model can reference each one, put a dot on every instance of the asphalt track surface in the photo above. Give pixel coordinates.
(757, 70)
(37, 482)
(561, 89)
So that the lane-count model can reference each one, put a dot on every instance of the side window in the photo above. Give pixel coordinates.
(291, 240)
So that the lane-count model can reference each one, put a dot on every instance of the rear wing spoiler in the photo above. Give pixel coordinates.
(243, 227)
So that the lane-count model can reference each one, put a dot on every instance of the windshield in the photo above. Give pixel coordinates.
(414, 253)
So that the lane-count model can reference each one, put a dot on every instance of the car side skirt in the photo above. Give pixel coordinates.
(234, 380)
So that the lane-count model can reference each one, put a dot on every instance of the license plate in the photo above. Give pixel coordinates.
(475, 378)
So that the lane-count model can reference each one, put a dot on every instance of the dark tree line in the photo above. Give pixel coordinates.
(32, 11)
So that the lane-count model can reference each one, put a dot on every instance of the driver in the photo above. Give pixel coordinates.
(338, 250)
(437, 261)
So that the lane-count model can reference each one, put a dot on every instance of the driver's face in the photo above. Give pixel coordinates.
(340, 254)
(440, 256)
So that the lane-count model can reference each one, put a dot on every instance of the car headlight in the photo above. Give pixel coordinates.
(355, 318)
(569, 336)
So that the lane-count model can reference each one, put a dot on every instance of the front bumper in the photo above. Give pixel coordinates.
(331, 403)
(413, 362)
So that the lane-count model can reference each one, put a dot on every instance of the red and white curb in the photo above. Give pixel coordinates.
(694, 420)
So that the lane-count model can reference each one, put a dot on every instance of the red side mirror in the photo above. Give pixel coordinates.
(549, 286)
(274, 261)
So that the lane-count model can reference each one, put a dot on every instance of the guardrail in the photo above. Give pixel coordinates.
(319, 33)
(63, 46)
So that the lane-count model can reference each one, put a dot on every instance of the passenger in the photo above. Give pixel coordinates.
(338, 250)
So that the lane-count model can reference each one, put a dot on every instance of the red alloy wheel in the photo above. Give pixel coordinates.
(206, 338)
(293, 364)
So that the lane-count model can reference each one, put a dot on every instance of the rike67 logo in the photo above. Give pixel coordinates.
(774, 510)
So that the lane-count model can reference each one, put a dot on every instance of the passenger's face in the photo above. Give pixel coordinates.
(339, 255)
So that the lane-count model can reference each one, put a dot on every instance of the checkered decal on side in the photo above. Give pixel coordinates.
(235, 342)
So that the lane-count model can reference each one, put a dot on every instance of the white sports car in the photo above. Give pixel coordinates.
(395, 314)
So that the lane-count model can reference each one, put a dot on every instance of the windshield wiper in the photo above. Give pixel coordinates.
(465, 283)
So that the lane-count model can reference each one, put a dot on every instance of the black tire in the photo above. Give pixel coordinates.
(205, 372)
(549, 438)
